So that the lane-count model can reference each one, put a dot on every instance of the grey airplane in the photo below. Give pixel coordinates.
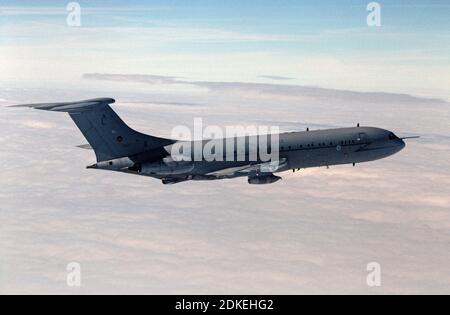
(119, 148)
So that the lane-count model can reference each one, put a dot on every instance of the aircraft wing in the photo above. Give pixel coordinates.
(231, 171)
(269, 167)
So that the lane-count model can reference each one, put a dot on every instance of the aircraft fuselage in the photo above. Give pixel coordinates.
(120, 148)
(297, 150)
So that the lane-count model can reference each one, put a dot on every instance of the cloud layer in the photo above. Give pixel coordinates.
(313, 232)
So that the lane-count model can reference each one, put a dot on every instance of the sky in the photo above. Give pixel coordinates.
(327, 44)
(294, 64)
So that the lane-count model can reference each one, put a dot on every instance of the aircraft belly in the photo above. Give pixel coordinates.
(321, 157)
(205, 167)
(309, 158)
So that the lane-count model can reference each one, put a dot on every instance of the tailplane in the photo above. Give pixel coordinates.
(107, 134)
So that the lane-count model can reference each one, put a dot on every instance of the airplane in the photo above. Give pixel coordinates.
(120, 148)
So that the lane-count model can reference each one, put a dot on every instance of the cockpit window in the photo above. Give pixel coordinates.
(392, 136)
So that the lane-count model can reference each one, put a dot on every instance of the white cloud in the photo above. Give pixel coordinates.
(313, 232)
(38, 124)
(275, 77)
(261, 89)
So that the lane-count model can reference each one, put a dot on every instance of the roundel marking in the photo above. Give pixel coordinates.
(104, 120)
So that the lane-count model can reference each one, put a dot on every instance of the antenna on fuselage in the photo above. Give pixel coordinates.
(357, 125)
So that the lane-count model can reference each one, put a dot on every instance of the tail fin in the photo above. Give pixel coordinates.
(107, 134)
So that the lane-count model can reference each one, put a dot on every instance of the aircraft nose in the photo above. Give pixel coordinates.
(401, 144)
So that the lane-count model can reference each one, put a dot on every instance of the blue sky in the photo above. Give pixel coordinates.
(299, 39)
(290, 16)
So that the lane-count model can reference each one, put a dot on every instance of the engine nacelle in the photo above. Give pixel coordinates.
(113, 165)
(263, 179)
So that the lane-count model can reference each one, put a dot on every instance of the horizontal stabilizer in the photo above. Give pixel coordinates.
(70, 107)
(107, 134)
(85, 146)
